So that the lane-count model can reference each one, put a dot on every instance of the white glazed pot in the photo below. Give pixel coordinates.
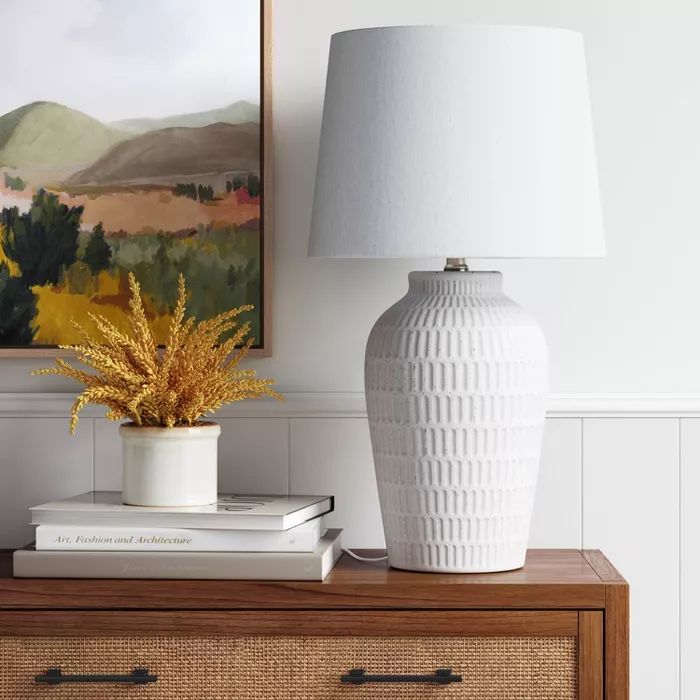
(169, 466)
(456, 384)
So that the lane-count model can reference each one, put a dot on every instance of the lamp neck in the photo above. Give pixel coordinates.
(455, 282)
(456, 265)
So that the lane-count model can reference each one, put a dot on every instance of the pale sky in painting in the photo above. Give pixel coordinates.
(115, 59)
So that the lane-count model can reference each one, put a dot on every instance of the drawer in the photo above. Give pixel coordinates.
(497, 656)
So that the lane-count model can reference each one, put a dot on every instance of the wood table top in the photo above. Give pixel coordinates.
(551, 578)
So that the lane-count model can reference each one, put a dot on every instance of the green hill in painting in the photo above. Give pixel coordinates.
(49, 135)
(236, 113)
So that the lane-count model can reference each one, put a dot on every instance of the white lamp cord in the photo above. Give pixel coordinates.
(367, 559)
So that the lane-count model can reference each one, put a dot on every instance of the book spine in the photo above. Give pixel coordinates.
(301, 566)
(132, 516)
(302, 538)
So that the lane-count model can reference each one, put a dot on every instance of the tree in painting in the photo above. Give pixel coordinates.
(43, 240)
(98, 253)
(17, 309)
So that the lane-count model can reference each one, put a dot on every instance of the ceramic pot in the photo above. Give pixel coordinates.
(169, 466)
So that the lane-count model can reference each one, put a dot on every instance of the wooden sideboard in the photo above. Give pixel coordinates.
(553, 630)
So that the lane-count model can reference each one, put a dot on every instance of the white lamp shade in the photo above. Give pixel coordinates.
(457, 141)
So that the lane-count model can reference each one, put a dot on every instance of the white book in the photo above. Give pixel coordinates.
(271, 566)
(302, 538)
(230, 512)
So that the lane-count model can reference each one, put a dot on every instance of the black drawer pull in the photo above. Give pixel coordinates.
(54, 676)
(443, 676)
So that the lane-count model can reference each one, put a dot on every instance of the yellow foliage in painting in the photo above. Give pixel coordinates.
(12, 266)
(55, 305)
(107, 283)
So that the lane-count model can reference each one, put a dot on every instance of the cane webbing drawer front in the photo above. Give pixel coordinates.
(292, 667)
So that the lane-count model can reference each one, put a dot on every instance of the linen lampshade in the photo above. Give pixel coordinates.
(447, 141)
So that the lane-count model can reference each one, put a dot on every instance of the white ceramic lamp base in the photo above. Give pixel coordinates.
(456, 385)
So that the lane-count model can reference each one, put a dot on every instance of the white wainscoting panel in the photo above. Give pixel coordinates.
(556, 518)
(630, 511)
(690, 558)
(334, 456)
(108, 456)
(39, 461)
(254, 455)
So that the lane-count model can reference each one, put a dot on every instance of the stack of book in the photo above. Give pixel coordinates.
(94, 535)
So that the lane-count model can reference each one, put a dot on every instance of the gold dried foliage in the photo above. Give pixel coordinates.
(196, 374)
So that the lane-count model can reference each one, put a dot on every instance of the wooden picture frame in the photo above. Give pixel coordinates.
(266, 163)
(263, 345)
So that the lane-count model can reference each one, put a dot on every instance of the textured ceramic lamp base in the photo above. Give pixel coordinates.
(456, 384)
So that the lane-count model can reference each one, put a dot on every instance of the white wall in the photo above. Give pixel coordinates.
(626, 324)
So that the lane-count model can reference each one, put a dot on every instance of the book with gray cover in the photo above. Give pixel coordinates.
(231, 511)
(271, 566)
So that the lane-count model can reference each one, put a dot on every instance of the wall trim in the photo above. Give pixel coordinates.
(294, 405)
(352, 405)
(624, 405)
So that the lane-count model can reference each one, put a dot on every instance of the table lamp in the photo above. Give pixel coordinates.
(457, 142)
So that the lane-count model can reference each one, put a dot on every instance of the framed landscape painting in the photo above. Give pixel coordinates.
(134, 137)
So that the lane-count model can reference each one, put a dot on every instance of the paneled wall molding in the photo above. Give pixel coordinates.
(623, 405)
(352, 405)
(294, 405)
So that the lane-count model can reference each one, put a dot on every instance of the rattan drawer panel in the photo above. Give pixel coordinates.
(291, 668)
